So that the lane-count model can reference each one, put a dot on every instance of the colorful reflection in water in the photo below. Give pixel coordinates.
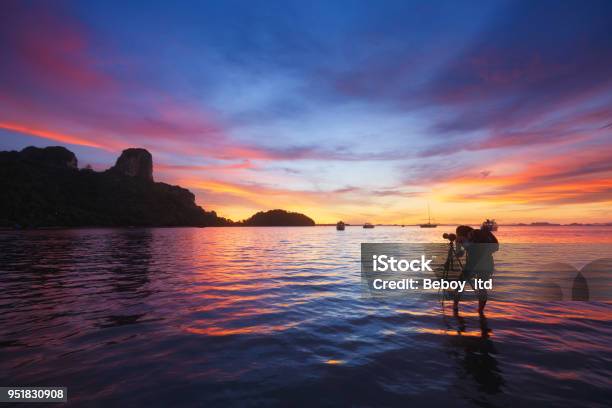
(275, 316)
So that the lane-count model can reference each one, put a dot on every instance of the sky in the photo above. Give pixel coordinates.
(354, 111)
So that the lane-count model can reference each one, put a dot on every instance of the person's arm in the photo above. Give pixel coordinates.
(494, 242)
(460, 248)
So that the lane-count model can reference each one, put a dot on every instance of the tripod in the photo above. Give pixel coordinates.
(451, 257)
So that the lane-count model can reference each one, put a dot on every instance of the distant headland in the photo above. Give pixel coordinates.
(43, 187)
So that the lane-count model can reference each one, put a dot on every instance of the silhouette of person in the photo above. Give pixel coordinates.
(478, 245)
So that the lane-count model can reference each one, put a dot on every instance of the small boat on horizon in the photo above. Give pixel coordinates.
(368, 225)
(428, 224)
(490, 225)
(340, 226)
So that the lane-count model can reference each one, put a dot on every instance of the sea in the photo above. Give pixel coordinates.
(277, 316)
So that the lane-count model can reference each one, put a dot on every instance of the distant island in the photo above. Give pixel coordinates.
(542, 224)
(274, 218)
(43, 187)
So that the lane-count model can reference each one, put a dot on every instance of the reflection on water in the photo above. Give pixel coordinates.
(169, 317)
(475, 353)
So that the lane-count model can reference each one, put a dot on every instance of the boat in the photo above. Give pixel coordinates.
(340, 226)
(490, 225)
(428, 224)
(368, 225)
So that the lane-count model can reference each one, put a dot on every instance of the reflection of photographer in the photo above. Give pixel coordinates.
(478, 246)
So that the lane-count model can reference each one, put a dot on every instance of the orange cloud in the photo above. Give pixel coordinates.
(245, 164)
(239, 201)
(557, 179)
(55, 136)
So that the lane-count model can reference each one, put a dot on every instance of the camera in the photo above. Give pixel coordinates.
(451, 237)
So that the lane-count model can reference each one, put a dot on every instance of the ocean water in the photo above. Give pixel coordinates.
(276, 316)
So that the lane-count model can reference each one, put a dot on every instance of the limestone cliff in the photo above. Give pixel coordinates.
(45, 188)
(135, 163)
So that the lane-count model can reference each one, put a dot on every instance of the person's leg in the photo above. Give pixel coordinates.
(457, 295)
(482, 301)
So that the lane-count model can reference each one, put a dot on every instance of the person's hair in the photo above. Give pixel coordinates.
(464, 230)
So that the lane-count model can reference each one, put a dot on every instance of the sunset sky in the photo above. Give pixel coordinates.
(360, 111)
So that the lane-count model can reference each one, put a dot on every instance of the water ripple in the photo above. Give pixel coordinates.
(274, 316)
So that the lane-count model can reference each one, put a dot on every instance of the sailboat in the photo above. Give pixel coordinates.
(429, 224)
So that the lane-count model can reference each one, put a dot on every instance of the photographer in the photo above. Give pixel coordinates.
(478, 245)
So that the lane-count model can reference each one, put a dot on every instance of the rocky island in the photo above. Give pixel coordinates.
(279, 218)
(43, 187)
